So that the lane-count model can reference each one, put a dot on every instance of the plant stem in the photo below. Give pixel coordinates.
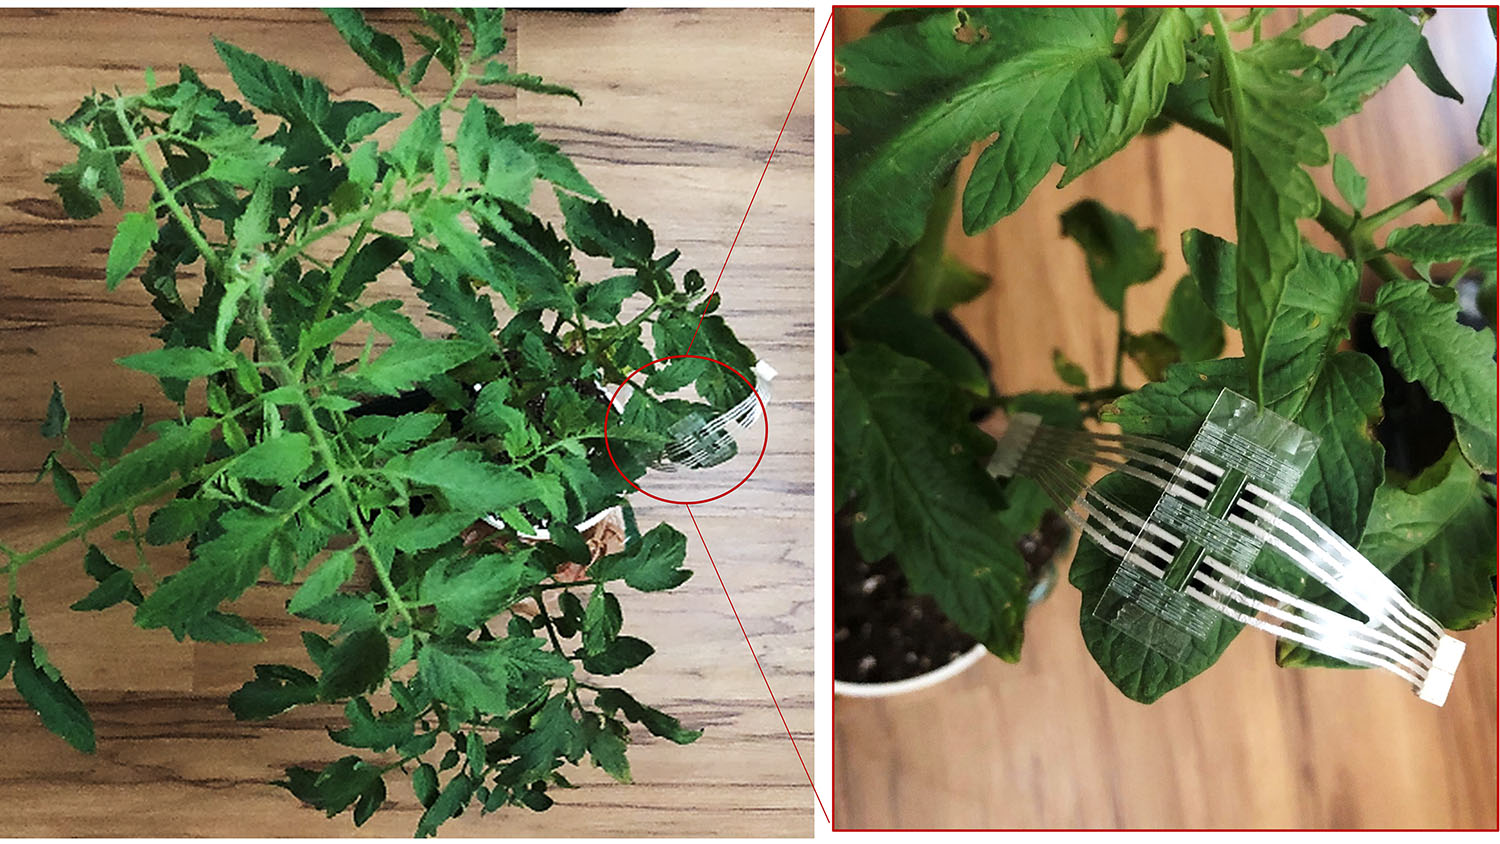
(1119, 344)
(1307, 22)
(267, 342)
(169, 485)
(1330, 217)
(184, 219)
(556, 642)
(1437, 188)
(140, 553)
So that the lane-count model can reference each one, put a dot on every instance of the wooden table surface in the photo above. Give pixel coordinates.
(681, 108)
(1049, 742)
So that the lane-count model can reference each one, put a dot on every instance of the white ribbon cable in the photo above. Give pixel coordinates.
(1279, 631)
(1134, 537)
(1350, 560)
(1377, 617)
(1080, 441)
(1353, 577)
(1329, 627)
(1169, 486)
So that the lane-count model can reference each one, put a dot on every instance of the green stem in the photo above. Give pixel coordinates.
(545, 586)
(140, 553)
(1305, 23)
(1466, 171)
(145, 496)
(331, 465)
(556, 642)
(1330, 217)
(1119, 345)
(184, 219)
(330, 290)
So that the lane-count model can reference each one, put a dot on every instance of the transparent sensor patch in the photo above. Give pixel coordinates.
(1220, 507)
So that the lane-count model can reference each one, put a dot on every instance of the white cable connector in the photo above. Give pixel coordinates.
(1439, 680)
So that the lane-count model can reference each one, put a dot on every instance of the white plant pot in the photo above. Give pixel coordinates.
(911, 684)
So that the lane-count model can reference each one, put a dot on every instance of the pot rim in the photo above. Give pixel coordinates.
(850, 688)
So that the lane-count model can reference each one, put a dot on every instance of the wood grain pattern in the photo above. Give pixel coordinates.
(680, 110)
(1049, 742)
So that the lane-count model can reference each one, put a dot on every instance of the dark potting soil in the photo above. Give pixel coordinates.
(882, 631)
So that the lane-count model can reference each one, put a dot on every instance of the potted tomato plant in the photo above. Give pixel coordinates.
(319, 429)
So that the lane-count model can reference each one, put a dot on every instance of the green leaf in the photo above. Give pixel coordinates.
(357, 664)
(920, 95)
(380, 51)
(415, 151)
(178, 448)
(183, 363)
(424, 784)
(1348, 180)
(905, 443)
(657, 722)
(176, 520)
(1211, 262)
(494, 416)
(324, 581)
(278, 460)
(597, 229)
(650, 564)
(1363, 61)
(48, 694)
(1071, 373)
(1439, 243)
(1424, 65)
(1434, 537)
(496, 73)
(120, 432)
(55, 423)
(273, 88)
(1349, 464)
(223, 628)
(133, 236)
(1119, 254)
(1418, 325)
(429, 530)
(451, 297)
(608, 752)
(623, 654)
(116, 588)
(366, 730)
(469, 483)
(65, 485)
(222, 569)
(1143, 674)
(892, 321)
(602, 620)
(474, 676)
(411, 361)
(1270, 114)
(1191, 324)
(1155, 59)
(468, 591)
(555, 734)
